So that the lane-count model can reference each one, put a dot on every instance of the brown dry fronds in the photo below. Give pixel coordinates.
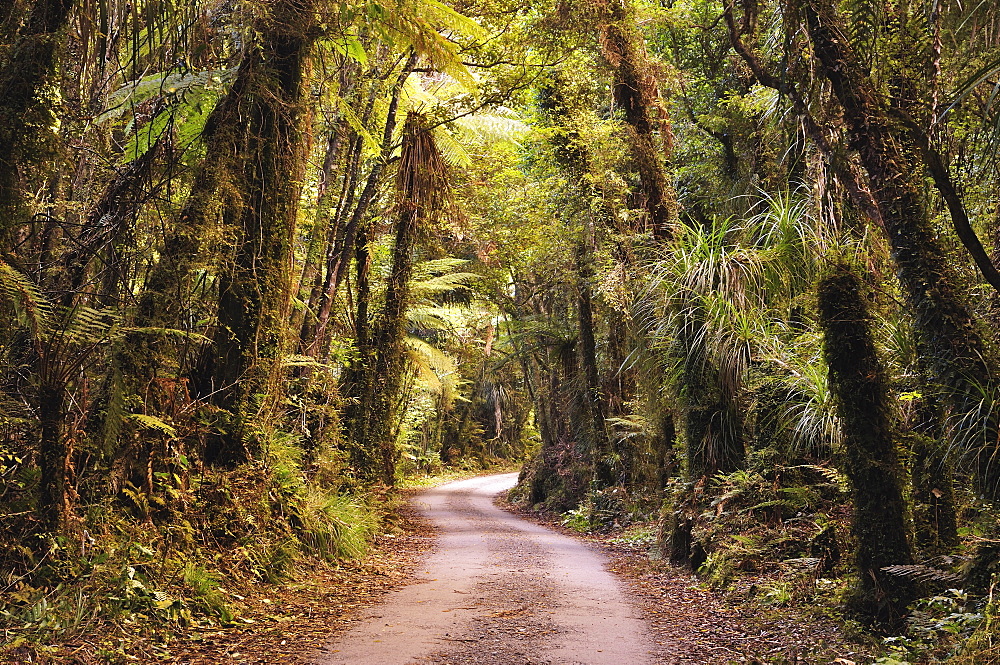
(422, 178)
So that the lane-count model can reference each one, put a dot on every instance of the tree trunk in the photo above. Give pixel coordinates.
(860, 387)
(635, 93)
(24, 75)
(255, 291)
(933, 496)
(357, 387)
(319, 233)
(55, 459)
(594, 401)
(106, 230)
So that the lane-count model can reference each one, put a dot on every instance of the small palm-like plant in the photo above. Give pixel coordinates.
(723, 297)
(62, 339)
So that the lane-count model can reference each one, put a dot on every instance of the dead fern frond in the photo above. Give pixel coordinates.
(924, 574)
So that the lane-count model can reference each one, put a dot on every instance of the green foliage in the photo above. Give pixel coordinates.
(543, 313)
(186, 100)
(335, 526)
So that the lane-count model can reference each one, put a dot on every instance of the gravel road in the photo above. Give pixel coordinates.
(498, 590)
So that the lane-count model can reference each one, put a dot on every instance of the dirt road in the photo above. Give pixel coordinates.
(498, 590)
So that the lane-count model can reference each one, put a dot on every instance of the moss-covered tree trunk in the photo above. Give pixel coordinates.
(56, 496)
(958, 360)
(24, 117)
(594, 401)
(859, 384)
(254, 290)
(635, 94)
(166, 291)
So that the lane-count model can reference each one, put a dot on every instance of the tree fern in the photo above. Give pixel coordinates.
(867, 18)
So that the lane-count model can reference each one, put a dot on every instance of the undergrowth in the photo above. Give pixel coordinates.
(775, 537)
(128, 571)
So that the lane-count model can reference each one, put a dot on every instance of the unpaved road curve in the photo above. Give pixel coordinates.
(496, 590)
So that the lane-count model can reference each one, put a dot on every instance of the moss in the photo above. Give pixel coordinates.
(25, 117)
(958, 358)
(859, 384)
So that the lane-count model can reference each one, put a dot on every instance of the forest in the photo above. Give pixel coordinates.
(722, 274)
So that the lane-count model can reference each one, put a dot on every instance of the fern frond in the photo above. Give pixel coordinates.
(427, 269)
(33, 310)
(115, 414)
(435, 368)
(355, 123)
(501, 126)
(303, 361)
(177, 333)
(434, 287)
(428, 318)
(160, 84)
(451, 149)
(89, 325)
(153, 423)
(418, 24)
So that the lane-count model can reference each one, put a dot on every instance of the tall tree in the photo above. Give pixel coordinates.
(636, 93)
(254, 290)
(421, 190)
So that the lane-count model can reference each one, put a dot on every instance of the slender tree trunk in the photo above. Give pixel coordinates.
(860, 387)
(318, 234)
(594, 401)
(8, 18)
(106, 229)
(663, 446)
(357, 388)
(387, 342)
(341, 259)
(933, 496)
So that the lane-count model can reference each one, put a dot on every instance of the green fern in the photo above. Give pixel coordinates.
(152, 423)
(33, 310)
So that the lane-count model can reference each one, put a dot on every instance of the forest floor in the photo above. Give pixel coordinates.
(685, 623)
(688, 623)
(693, 624)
